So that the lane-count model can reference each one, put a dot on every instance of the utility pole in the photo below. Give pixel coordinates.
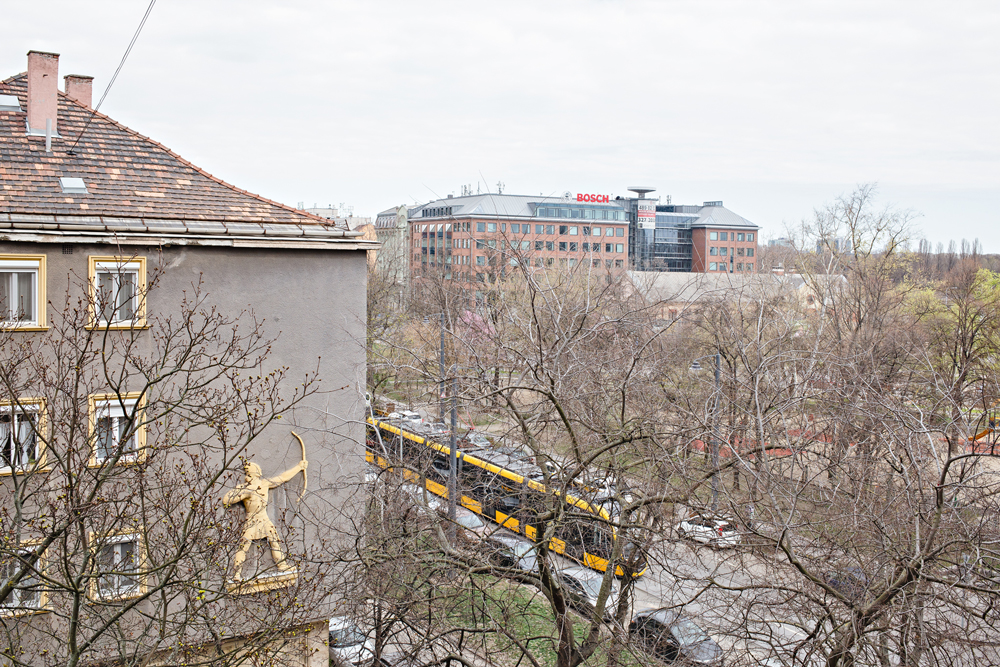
(715, 440)
(453, 461)
(442, 390)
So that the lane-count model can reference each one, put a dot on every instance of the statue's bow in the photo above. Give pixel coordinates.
(305, 479)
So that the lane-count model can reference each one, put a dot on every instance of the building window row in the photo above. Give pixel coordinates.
(715, 251)
(444, 230)
(723, 266)
(117, 289)
(731, 236)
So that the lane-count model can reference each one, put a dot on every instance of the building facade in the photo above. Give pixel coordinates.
(476, 238)
(150, 482)
(479, 238)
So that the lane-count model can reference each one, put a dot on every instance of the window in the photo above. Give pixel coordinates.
(480, 260)
(515, 228)
(573, 246)
(480, 244)
(550, 229)
(562, 246)
(22, 291)
(28, 596)
(118, 285)
(713, 266)
(550, 245)
(722, 251)
(619, 247)
(539, 229)
(749, 237)
(713, 251)
(619, 264)
(539, 245)
(586, 231)
(563, 229)
(740, 251)
(491, 226)
(619, 231)
(740, 237)
(610, 231)
(713, 236)
(607, 248)
(750, 266)
(19, 443)
(723, 236)
(525, 245)
(118, 560)
(573, 231)
(480, 226)
(749, 252)
(586, 247)
(572, 262)
(538, 261)
(116, 428)
(597, 231)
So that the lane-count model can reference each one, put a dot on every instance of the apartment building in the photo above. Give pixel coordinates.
(117, 441)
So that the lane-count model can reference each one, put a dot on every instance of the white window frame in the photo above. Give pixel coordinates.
(10, 266)
(116, 267)
(110, 406)
(16, 604)
(16, 411)
(117, 591)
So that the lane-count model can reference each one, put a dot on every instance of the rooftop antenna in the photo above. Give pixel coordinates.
(500, 186)
(641, 190)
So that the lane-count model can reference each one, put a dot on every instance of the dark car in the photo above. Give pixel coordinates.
(850, 582)
(508, 551)
(671, 637)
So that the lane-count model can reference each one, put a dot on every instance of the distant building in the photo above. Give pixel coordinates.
(478, 238)
(392, 230)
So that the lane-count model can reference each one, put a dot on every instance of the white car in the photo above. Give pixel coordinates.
(714, 532)
(348, 643)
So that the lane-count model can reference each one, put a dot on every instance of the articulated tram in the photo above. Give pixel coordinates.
(505, 490)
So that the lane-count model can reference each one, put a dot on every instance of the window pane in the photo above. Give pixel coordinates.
(127, 296)
(105, 296)
(5, 280)
(26, 296)
(105, 443)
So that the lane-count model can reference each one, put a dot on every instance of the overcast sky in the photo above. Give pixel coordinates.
(773, 107)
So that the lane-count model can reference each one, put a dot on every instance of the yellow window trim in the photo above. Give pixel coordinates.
(42, 295)
(43, 595)
(139, 321)
(93, 402)
(41, 428)
(98, 540)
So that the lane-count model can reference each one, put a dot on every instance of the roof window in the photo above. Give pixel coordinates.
(72, 185)
(9, 103)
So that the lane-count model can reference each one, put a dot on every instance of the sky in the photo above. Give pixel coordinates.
(774, 107)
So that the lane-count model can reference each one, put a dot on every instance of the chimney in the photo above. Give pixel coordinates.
(80, 87)
(43, 91)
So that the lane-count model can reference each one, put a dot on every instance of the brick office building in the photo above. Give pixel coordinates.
(478, 238)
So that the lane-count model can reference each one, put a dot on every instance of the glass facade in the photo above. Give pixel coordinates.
(668, 247)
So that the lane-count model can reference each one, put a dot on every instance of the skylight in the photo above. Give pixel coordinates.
(72, 185)
(9, 103)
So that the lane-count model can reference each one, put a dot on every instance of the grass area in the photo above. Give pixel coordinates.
(523, 613)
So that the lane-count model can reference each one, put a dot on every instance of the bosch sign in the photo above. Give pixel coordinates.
(600, 199)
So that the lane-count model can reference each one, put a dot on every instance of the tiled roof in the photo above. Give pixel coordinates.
(128, 176)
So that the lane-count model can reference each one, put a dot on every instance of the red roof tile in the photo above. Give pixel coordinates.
(127, 175)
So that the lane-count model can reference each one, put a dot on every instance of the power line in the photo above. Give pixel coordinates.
(145, 16)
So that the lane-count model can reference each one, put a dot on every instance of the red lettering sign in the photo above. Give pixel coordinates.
(600, 199)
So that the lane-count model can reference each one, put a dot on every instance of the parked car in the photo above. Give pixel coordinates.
(714, 532)
(506, 550)
(582, 587)
(850, 582)
(673, 638)
(406, 416)
(348, 643)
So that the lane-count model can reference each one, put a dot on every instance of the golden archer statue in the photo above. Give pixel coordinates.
(258, 525)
